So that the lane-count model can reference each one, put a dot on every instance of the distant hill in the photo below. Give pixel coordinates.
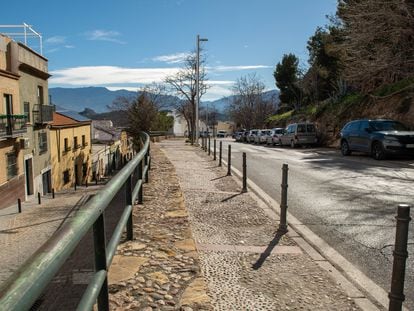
(223, 103)
(98, 98)
(95, 98)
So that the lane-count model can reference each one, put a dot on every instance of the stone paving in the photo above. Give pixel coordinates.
(246, 264)
(199, 244)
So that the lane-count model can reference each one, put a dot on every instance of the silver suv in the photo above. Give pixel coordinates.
(299, 134)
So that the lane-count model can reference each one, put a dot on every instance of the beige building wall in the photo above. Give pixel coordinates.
(78, 157)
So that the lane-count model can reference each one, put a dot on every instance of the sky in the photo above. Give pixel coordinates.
(126, 44)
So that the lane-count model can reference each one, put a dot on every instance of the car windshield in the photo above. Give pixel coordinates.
(387, 126)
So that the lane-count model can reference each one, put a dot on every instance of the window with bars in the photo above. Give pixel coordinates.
(11, 165)
(42, 142)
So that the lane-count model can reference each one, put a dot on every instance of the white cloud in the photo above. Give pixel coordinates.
(69, 46)
(216, 92)
(172, 58)
(236, 68)
(102, 75)
(56, 40)
(128, 88)
(104, 35)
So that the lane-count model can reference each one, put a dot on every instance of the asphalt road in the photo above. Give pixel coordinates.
(350, 202)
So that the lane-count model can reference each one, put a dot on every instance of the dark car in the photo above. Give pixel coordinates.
(377, 137)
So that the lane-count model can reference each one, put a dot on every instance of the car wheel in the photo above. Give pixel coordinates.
(292, 144)
(378, 151)
(345, 148)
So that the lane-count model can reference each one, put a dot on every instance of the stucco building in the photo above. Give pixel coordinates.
(12, 125)
(71, 149)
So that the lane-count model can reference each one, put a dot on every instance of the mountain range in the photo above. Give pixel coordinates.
(99, 98)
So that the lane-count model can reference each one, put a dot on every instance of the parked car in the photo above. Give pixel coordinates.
(252, 134)
(379, 137)
(244, 137)
(238, 136)
(261, 136)
(299, 134)
(274, 135)
(221, 134)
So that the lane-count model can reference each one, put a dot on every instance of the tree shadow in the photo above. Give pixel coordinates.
(231, 197)
(268, 250)
(218, 178)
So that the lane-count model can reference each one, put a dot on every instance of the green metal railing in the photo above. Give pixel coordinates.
(26, 285)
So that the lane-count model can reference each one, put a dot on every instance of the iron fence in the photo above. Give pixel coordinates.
(65, 274)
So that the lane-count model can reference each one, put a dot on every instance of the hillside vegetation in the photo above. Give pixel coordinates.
(361, 65)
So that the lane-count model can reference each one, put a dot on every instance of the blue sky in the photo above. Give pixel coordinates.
(128, 43)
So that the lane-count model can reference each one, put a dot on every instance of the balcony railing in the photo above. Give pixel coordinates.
(12, 125)
(43, 113)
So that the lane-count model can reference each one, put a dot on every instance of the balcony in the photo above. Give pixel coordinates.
(43, 114)
(12, 125)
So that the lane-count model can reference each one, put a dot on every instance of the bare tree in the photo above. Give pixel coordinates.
(183, 85)
(378, 42)
(248, 108)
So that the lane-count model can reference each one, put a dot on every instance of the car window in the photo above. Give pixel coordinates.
(387, 126)
(353, 126)
(310, 128)
(279, 131)
(301, 128)
(363, 125)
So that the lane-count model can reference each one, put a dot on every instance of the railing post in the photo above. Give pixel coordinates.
(214, 153)
(146, 164)
(19, 205)
(220, 153)
(140, 192)
(53, 193)
(39, 200)
(128, 199)
(229, 161)
(400, 254)
(209, 152)
(100, 260)
(149, 157)
(244, 173)
(283, 201)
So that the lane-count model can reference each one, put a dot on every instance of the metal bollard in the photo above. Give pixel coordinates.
(209, 152)
(86, 183)
(214, 154)
(400, 254)
(220, 153)
(19, 205)
(39, 200)
(75, 185)
(244, 173)
(53, 193)
(229, 161)
(283, 200)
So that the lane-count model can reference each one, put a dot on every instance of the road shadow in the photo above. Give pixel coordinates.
(268, 250)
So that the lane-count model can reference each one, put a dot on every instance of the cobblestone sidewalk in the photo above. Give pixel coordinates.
(246, 264)
(237, 261)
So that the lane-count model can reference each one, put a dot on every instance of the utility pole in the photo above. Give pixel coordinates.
(197, 130)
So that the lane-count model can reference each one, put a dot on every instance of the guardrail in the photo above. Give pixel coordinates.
(26, 286)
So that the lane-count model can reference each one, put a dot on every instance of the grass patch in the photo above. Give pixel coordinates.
(394, 87)
(281, 116)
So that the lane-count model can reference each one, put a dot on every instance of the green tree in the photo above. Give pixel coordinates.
(163, 122)
(287, 76)
(142, 114)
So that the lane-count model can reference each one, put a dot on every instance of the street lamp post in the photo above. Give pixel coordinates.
(198, 86)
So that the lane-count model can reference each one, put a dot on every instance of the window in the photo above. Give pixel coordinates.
(42, 142)
(26, 107)
(75, 142)
(66, 145)
(310, 128)
(66, 177)
(83, 141)
(301, 128)
(8, 104)
(11, 165)
(40, 95)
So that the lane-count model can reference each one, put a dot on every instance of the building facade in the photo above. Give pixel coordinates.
(12, 126)
(34, 101)
(71, 150)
